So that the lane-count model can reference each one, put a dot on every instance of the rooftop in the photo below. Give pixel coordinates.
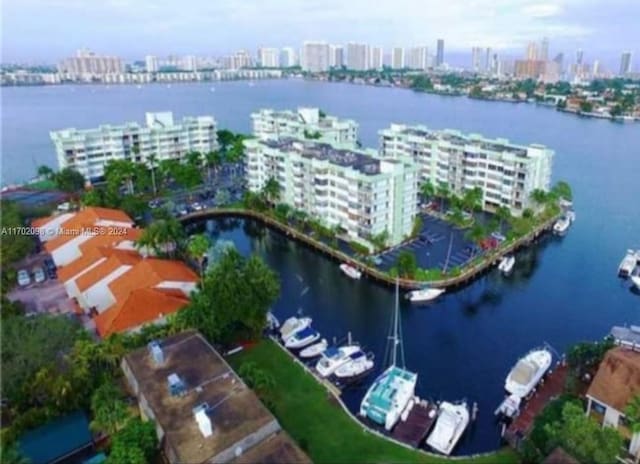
(617, 379)
(234, 410)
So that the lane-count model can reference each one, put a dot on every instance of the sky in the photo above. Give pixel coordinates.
(48, 30)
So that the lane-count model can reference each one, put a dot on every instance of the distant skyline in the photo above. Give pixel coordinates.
(48, 30)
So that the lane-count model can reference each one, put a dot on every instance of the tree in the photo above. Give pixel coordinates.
(45, 172)
(380, 240)
(69, 180)
(406, 264)
(539, 197)
(12, 455)
(152, 162)
(443, 192)
(197, 248)
(119, 172)
(586, 107)
(222, 197)
(417, 226)
(233, 300)
(476, 233)
(503, 214)
(213, 159)
(271, 191)
(135, 443)
(93, 197)
(225, 138)
(562, 189)
(421, 83)
(162, 236)
(427, 190)
(632, 415)
(13, 247)
(257, 379)
(109, 411)
(472, 199)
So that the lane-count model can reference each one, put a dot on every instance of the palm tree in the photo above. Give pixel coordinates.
(504, 215)
(151, 161)
(45, 172)
(539, 197)
(213, 160)
(427, 190)
(162, 235)
(271, 191)
(195, 158)
(110, 412)
(632, 415)
(472, 199)
(118, 172)
(197, 248)
(443, 192)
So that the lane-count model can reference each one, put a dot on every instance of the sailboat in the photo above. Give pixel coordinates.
(391, 393)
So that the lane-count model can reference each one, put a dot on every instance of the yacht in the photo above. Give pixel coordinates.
(450, 425)
(424, 294)
(302, 338)
(292, 325)
(392, 391)
(358, 365)
(314, 350)
(628, 263)
(506, 264)
(333, 358)
(510, 407)
(561, 226)
(351, 271)
(635, 279)
(528, 371)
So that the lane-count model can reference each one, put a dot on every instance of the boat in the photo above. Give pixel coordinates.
(424, 294)
(450, 425)
(635, 280)
(272, 322)
(292, 325)
(391, 392)
(358, 365)
(561, 226)
(628, 263)
(314, 350)
(527, 372)
(302, 338)
(506, 264)
(571, 216)
(333, 358)
(351, 271)
(510, 407)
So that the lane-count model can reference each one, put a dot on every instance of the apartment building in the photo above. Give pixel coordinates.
(89, 150)
(315, 56)
(87, 63)
(346, 188)
(507, 173)
(305, 123)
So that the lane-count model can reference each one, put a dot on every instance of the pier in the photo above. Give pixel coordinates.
(468, 273)
(413, 431)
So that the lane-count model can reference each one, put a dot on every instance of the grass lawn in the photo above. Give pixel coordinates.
(312, 417)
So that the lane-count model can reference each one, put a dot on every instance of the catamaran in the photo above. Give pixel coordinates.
(424, 294)
(314, 350)
(351, 271)
(506, 264)
(391, 393)
(293, 325)
(333, 358)
(528, 371)
(302, 338)
(358, 365)
(450, 425)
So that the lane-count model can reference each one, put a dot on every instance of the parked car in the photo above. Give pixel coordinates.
(196, 206)
(23, 278)
(49, 264)
(38, 275)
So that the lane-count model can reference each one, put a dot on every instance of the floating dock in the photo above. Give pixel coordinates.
(414, 430)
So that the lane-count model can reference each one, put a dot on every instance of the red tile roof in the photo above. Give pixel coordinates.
(115, 260)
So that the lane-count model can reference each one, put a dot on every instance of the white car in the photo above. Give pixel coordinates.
(196, 206)
(23, 278)
(38, 275)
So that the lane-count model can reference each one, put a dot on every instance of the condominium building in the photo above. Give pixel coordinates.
(336, 56)
(417, 57)
(269, 57)
(89, 150)
(303, 123)
(288, 57)
(315, 56)
(625, 63)
(397, 58)
(357, 56)
(440, 53)
(353, 190)
(507, 173)
(87, 63)
(151, 64)
(376, 58)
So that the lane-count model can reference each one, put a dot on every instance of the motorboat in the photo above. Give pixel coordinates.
(302, 338)
(506, 264)
(314, 350)
(333, 358)
(527, 372)
(561, 226)
(629, 263)
(510, 407)
(358, 365)
(571, 216)
(351, 271)
(292, 325)
(635, 280)
(424, 294)
(450, 425)
(391, 393)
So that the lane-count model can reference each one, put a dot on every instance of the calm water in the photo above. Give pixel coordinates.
(563, 291)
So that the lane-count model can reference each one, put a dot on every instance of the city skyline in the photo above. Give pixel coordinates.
(603, 30)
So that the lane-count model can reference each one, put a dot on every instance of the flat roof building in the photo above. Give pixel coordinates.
(202, 410)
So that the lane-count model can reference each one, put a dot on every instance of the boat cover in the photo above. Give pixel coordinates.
(524, 372)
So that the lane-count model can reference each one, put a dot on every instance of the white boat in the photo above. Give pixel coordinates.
(314, 350)
(571, 216)
(333, 358)
(450, 425)
(359, 364)
(272, 322)
(424, 294)
(510, 407)
(629, 263)
(302, 338)
(350, 271)
(635, 279)
(506, 264)
(561, 226)
(527, 372)
(391, 393)
(292, 325)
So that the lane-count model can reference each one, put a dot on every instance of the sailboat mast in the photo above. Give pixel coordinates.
(395, 327)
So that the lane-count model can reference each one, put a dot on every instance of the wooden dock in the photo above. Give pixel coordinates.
(414, 430)
(551, 388)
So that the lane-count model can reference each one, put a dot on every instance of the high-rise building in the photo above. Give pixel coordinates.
(579, 56)
(357, 56)
(336, 56)
(496, 68)
(151, 64)
(533, 69)
(315, 56)
(417, 57)
(595, 68)
(351, 189)
(486, 65)
(440, 53)
(532, 51)
(269, 57)
(288, 57)
(376, 57)
(506, 173)
(397, 58)
(544, 50)
(625, 63)
(272, 124)
(240, 59)
(89, 150)
(86, 64)
(189, 63)
(559, 60)
(476, 59)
